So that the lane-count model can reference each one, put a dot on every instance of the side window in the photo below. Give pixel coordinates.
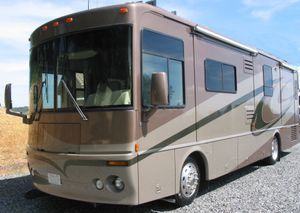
(163, 54)
(268, 81)
(220, 77)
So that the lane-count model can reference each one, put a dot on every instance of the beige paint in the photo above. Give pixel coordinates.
(249, 145)
(156, 176)
(224, 157)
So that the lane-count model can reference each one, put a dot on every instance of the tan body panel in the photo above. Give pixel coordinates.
(54, 138)
(157, 176)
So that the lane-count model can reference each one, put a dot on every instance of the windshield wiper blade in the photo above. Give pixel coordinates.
(74, 101)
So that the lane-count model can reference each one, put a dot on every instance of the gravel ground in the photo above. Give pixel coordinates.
(256, 188)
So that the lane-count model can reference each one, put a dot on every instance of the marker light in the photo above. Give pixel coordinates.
(123, 10)
(117, 163)
(136, 147)
(69, 20)
(55, 24)
(44, 28)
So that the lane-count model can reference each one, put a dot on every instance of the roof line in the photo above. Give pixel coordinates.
(221, 38)
(285, 65)
(241, 46)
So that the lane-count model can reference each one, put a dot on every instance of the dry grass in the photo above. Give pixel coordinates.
(13, 140)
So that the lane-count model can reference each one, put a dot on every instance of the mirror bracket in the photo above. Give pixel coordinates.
(148, 112)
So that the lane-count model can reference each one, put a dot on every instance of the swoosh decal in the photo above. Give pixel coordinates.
(198, 125)
(50, 162)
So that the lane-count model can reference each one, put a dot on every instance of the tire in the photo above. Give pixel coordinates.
(275, 151)
(189, 182)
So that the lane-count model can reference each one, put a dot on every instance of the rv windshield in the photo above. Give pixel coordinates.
(95, 65)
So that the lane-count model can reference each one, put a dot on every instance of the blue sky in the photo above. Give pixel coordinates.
(270, 25)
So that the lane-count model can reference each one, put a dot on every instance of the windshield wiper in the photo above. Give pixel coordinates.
(74, 101)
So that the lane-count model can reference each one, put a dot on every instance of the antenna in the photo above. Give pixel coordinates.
(152, 2)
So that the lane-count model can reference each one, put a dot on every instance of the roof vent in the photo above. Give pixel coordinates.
(152, 2)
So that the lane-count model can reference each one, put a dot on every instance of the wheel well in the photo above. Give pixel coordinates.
(201, 163)
(277, 135)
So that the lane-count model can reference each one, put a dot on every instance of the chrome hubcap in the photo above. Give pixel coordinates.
(275, 149)
(189, 180)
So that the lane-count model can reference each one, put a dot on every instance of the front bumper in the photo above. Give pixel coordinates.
(78, 174)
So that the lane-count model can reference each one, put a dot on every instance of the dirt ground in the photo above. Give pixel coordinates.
(13, 140)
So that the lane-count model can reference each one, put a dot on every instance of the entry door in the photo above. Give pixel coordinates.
(288, 97)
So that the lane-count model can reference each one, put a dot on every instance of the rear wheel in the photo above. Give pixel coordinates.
(189, 182)
(274, 157)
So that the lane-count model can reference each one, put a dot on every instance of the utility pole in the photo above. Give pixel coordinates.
(88, 4)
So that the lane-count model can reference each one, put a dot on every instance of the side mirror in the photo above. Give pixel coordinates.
(7, 97)
(159, 89)
(8, 105)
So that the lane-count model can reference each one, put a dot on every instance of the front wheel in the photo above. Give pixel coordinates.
(189, 182)
(271, 160)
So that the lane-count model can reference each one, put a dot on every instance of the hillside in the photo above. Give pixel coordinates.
(13, 140)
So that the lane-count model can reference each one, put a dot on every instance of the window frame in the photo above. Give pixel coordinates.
(168, 58)
(264, 80)
(222, 64)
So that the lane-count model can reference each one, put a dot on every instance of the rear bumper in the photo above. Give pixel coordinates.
(78, 173)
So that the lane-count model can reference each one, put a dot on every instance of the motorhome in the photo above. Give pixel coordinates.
(131, 103)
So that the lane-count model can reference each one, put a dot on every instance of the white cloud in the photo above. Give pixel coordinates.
(13, 66)
(266, 9)
(18, 19)
(15, 72)
(189, 10)
(186, 10)
(35, 9)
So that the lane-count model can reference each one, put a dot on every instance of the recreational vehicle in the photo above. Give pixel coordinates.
(131, 103)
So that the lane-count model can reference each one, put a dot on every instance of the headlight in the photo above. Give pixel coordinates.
(99, 184)
(119, 184)
(114, 184)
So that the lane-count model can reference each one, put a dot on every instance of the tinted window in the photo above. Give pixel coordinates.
(162, 45)
(220, 77)
(229, 78)
(175, 83)
(268, 80)
(213, 75)
(95, 66)
(163, 54)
